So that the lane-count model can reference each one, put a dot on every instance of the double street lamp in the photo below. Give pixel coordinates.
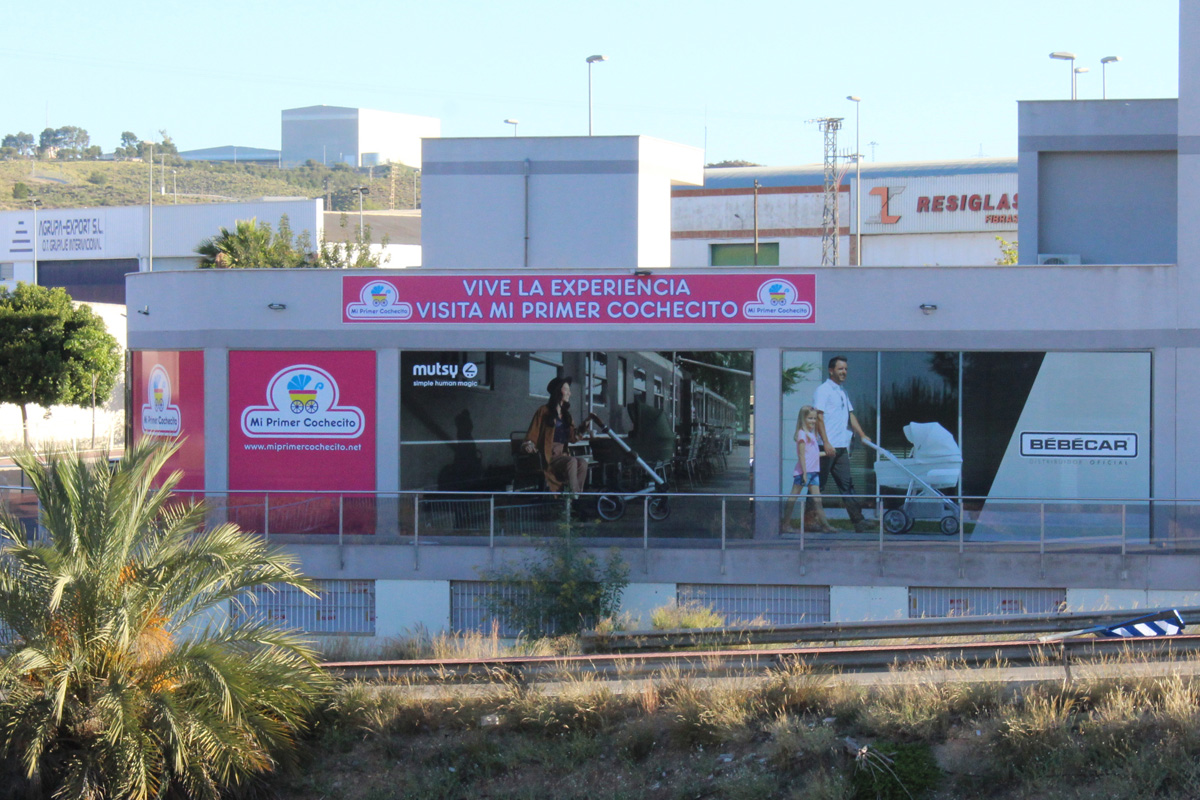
(1062, 55)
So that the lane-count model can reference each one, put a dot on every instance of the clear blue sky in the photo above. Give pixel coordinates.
(938, 78)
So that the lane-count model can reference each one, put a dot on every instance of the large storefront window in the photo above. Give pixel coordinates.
(682, 417)
(1019, 425)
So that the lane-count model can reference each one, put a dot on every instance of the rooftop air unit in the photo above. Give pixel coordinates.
(1058, 259)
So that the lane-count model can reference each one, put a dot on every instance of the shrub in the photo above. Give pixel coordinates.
(563, 590)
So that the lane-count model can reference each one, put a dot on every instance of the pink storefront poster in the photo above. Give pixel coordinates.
(302, 421)
(168, 402)
(658, 299)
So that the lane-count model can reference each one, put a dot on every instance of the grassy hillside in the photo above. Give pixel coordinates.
(62, 184)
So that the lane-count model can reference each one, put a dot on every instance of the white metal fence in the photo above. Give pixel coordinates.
(769, 603)
(341, 607)
(957, 601)
(471, 607)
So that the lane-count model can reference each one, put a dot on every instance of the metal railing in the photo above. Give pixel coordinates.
(700, 520)
(835, 632)
(1113, 658)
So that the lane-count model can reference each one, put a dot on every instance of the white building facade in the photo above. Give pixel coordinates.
(360, 137)
(88, 251)
(913, 214)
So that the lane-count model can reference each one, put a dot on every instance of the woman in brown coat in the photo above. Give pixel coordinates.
(551, 430)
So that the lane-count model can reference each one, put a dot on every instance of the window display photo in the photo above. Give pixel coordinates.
(577, 421)
(932, 436)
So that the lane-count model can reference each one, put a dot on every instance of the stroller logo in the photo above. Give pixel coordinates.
(1056, 444)
(302, 403)
(379, 300)
(159, 416)
(778, 299)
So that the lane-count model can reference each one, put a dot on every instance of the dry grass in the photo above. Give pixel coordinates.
(778, 733)
(685, 616)
(419, 643)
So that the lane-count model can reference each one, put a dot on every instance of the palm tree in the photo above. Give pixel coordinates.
(131, 669)
(252, 245)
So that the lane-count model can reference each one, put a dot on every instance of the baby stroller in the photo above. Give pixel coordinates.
(626, 474)
(935, 463)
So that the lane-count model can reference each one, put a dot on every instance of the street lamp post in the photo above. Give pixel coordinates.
(360, 191)
(591, 60)
(1062, 55)
(33, 201)
(150, 249)
(514, 123)
(1104, 62)
(857, 182)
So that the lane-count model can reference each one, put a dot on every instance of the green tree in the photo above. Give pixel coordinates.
(53, 351)
(21, 141)
(129, 144)
(167, 145)
(252, 245)
(21, 191)
(124, 679)
(563, 590)
(354, 253)
(1008, 252)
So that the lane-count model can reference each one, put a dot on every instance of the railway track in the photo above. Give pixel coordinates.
(742, 662)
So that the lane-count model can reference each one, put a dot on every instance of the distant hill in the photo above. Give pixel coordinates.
(65, 184)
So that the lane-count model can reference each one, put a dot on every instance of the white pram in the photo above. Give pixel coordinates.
(936, 463)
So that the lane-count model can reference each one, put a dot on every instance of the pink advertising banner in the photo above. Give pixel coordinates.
(168, 401)
(662, 299)
(302, 420)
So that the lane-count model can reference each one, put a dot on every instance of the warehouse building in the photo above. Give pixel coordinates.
(360, 137)
(913, 214)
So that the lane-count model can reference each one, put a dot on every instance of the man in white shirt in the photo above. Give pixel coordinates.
(837, 425)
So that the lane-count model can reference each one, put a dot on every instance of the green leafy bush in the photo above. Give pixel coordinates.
(564, 590)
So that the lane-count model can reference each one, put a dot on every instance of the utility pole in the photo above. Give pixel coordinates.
(830, 215)
(756, 185)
